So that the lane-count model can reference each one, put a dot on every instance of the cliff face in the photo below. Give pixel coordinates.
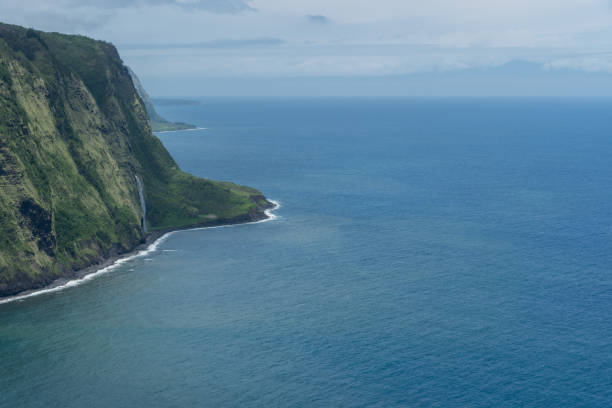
(75, 143)
(158, 123)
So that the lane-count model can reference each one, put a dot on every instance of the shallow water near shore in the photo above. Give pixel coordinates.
(445, 253)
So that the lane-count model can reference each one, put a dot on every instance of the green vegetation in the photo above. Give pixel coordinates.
(74, 133)
(170, 126)
(158, 123)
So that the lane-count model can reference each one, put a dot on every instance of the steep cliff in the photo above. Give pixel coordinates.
(75, 144)
(158, 123)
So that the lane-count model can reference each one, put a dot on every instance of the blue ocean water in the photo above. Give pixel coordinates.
(428, 253)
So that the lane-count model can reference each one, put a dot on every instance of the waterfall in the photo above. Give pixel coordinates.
(143, 204)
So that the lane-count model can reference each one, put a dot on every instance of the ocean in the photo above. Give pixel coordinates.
(427, 253)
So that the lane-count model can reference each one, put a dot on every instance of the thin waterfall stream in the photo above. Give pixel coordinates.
(143, 204)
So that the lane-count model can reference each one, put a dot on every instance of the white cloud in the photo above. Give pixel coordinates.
(599, 63)
(350, 37)
(86, 16)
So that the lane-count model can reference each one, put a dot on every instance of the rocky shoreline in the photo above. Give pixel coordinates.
(263, 214)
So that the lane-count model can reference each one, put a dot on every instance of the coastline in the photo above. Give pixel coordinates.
(150, 245)
(181, 130)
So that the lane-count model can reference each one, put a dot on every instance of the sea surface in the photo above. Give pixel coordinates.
(427, 253)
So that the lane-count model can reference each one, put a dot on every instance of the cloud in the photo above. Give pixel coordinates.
(217, 44)
(76, 21)
(299, 61)
(318, 19)
(85, 16)
(599, 63)
(349, 38)
(215, 6)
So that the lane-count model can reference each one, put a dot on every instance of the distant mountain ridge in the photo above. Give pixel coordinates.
(81, 174)
(158, 123)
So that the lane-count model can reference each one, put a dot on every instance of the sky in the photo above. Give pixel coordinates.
(346, 47)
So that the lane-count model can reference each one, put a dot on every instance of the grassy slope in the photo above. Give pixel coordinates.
(73, 134)
(170, 126)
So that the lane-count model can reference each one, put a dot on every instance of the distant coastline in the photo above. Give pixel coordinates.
(180, 130)
(150, 245)
(157, 122)
(165, 126)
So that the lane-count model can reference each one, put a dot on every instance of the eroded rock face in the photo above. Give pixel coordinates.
(38, 220)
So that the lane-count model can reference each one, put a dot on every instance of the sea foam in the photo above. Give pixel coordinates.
(148, 250)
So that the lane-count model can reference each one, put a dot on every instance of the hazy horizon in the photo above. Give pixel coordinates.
(347, 48)
(496, 82)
